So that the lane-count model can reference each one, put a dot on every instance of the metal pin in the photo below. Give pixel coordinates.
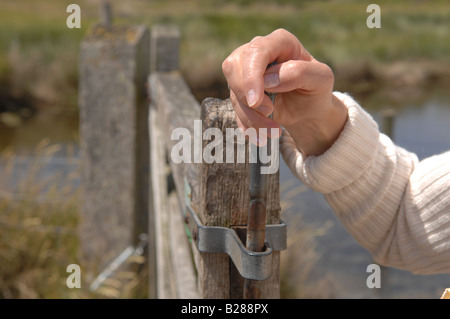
(256, 224)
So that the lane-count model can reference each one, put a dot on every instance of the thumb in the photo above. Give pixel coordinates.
(298, 75)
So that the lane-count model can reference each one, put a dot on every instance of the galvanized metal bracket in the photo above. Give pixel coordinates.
(212, 239)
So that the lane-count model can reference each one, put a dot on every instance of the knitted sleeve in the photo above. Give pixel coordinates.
(395, 206)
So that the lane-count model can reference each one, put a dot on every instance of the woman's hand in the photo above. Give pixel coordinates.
(304, 105)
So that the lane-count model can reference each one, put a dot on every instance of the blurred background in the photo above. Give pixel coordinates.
(404, 67)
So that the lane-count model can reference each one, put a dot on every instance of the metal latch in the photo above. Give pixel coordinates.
(212, 239)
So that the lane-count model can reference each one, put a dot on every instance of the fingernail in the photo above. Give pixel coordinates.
(251, 97)
(271, 80)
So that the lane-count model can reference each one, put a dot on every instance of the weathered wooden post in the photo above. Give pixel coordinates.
(114, 65)
(223, 199)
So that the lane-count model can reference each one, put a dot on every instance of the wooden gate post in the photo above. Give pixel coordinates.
(222, 199)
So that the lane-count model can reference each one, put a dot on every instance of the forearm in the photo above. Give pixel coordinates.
(366, 179)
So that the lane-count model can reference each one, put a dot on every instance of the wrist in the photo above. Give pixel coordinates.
(316, 136)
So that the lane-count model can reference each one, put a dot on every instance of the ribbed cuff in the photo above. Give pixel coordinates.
(345, 161)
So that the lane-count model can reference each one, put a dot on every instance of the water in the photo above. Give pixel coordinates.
(56, 126)
(58, 164)
(421, 126)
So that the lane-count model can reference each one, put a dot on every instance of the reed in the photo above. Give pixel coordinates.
(38, 226)
(38, 217)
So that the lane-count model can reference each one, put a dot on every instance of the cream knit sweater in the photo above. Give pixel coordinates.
(395, 206)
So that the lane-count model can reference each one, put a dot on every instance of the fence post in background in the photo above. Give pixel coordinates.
(164, 48)
(388, 121)
(106, 16)
(114, 65)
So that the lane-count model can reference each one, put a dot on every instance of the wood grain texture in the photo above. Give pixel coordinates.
(223, 200)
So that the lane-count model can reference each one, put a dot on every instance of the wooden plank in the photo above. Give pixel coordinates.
(165, 284)
(184, 271)
(176, 108)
